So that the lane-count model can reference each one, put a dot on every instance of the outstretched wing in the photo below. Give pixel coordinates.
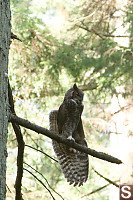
(74, 164)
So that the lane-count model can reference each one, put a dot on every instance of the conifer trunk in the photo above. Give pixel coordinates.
(5, 33)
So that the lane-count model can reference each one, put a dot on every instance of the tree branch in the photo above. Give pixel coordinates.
(54, 136)
(102, 35)
(40, 182)
(100, 188)
(44, 179)
(41, 152)
(13, 36)
(96, 190)
(107, 179)
(122, 108)
(20, 141)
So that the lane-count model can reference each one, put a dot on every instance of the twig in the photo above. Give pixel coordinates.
(8, 188)
(107, 179)
(40, 182)
(44, 178)
(96, 190)
(13, 36)
(121, 109)
(100, 188)
(102, 35)
(54, 136)
(20, 141)
(91, 31)
(41, 152)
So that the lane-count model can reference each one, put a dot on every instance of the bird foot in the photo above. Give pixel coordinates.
(71, 138)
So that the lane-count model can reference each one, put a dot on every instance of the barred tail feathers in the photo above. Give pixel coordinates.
(74, 164)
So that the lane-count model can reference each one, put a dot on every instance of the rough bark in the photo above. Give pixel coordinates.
(5, 34)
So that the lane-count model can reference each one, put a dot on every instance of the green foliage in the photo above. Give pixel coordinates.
(42, 59)
(46, 64)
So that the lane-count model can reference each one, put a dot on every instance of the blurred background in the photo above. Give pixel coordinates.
(88, 42)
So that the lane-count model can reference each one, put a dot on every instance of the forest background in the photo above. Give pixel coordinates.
(63, 42)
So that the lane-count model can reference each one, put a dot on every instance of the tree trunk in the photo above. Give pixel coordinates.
(5, 33)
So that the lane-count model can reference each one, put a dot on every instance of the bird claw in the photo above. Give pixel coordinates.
(71, 138)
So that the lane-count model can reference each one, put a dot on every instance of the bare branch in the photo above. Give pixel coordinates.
(54, 136)
(102, 35)
(19, 176)
(122, 108)
(96, 190)
(91, 31)
(13, 36)
(41, 152)
(107, 179)
(44, 178)
(100, 188)
(20, 141)
(8, 188)
(40, 182)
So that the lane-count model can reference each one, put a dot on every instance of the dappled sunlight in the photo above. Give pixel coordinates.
(65, 42)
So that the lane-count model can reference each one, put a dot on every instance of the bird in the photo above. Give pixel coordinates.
(67, 122)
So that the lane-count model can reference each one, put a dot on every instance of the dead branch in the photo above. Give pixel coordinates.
(44, 179)
(107, 179)
(40, 182)
(122, 109)
(96, 190)
(102, 35)
(13, 36)
(20, 141)
(41, 152)
(100, 188)
(54, 136)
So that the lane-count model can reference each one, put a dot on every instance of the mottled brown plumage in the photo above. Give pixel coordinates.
(67, 122)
